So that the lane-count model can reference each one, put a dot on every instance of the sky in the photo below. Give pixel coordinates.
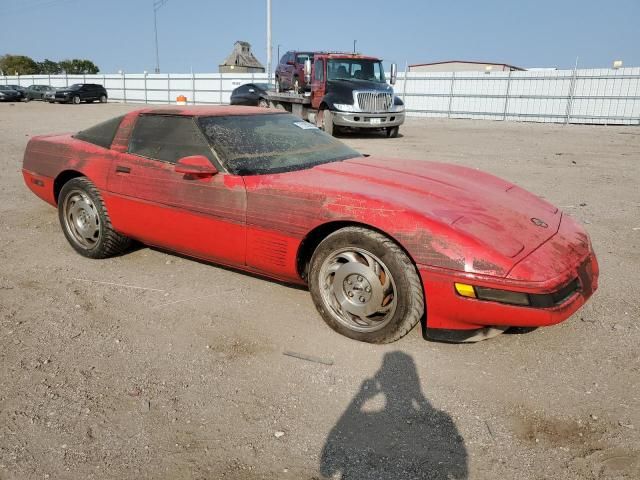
(199, 34)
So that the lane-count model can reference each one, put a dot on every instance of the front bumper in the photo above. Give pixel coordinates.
(368, 120)
(448, 310)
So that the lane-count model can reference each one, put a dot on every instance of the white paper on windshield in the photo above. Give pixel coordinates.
(305, 125)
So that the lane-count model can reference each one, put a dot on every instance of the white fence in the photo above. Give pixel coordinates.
(600, 96)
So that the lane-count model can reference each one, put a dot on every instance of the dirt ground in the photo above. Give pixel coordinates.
(151, 365)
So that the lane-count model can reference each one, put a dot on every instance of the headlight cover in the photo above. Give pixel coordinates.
(345, 107)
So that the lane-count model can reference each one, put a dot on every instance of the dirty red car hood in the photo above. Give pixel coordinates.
(503, 217)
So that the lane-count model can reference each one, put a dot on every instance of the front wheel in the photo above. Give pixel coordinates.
(85, 221)
(365, 286)
(392, 132)
(324, 121)
(76, 100)
(263, 103)
(278, 86)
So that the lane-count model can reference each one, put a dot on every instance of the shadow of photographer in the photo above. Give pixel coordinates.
(391, 431)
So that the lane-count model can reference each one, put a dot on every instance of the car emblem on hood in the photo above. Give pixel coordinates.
(539, 223)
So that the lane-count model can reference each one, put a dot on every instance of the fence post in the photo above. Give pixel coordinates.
(66, 78)
(220, 92)
(453, 79)
(404, 85)
(193, 87)
(506, 98)
(169, 88)
(124, 86)
(571, 89)
(145, 87)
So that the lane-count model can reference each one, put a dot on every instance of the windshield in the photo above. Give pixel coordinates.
(355, 69)
(270, 143)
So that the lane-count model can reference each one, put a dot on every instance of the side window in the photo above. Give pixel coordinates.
(319, 70)
(101, 134)
(243, 89)
(167, 138)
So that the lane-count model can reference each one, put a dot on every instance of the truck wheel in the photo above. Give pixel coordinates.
(392, 132)
(324, 121)
(365, 286)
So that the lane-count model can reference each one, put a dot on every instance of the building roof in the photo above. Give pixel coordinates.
(467, 61)
(242, 56)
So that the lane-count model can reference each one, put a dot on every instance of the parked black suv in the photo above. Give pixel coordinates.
(81, 92)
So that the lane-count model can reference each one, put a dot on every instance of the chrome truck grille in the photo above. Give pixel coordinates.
(374, 101)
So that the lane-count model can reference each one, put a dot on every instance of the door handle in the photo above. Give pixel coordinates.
(121, 169)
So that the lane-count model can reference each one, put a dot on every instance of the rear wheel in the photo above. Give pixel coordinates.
(85, 221)
(103, 99)
(365, 286)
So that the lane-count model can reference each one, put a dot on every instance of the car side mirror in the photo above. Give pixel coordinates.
(198, 165)
(307, 71)
(394, 74)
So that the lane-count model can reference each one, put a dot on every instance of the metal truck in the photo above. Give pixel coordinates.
(345, 91)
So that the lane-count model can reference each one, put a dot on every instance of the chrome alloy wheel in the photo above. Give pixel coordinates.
(81, 219)
(358, 289)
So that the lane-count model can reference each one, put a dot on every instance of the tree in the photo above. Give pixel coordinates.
(18, 64)
(78, 65)
(49, 67)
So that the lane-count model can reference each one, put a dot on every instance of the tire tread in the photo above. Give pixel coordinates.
(113, 243)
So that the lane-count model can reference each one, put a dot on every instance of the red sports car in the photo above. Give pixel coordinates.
(382, 243)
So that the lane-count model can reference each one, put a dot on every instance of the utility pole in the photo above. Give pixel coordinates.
(268, 40)
(157, 5)
(354, 46)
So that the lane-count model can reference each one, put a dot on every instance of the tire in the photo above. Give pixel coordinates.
(27, 99)
(76, 100)
(103, 99)
(324, 121)
(392, 132)
(85, 221)
(263, 103)
(365, 286)
(278, 86)
(296, 85)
